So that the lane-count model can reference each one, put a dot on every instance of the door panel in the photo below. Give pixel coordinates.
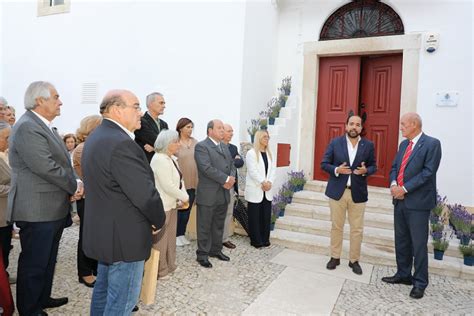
(380, 93)
(338, 93)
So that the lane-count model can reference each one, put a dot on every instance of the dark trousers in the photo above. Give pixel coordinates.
(183, 215)
(39, 250)
(85, 266)
(210, 227)
(6, 243)
(260, 215)
(411, 239)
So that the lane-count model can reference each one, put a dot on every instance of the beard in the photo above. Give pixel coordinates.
(353, 133)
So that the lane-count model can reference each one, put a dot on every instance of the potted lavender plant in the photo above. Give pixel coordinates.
(278, 205)
(461, 220)
(468, 253)
(297, 180)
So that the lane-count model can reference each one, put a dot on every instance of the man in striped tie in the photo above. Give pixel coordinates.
(413, 187)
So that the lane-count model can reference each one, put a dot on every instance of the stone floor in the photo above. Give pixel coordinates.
(273, 281)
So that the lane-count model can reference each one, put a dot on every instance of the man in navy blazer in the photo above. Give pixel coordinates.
(413, 187)
(348, 160)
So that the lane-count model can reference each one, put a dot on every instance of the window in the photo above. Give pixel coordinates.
(48, 7)
(362, 18)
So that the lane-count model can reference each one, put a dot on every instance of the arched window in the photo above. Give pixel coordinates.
(362, 18)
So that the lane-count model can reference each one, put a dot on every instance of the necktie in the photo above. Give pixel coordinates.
(406, 156)
(219, 147)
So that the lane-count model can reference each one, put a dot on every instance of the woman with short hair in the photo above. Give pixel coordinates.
(261, 166)
(169, 183)
(86, 267)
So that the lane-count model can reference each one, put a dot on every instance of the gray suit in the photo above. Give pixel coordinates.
(42, 174)
(42, 181)
(214, 166)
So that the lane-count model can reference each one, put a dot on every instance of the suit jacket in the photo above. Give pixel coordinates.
(256, 175)
(336, 154)
(167, 181)
(420, 172)
(42, 175)
(5, 178)
(213, 169)
(238, 163)
(148, 133)
(121, 199)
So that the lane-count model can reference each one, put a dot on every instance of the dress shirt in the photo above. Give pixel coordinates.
(414, 141)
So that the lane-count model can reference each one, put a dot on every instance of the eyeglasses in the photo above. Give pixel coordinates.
(136, 107)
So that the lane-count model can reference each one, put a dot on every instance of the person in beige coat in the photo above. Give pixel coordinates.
(169, 183)
(5, 178)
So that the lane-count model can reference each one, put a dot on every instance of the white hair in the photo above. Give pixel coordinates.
(37, 89)
(3, 101)
(165, 138)
(151, 97)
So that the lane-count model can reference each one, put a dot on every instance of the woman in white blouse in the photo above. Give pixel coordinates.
(259, 189)
(169, 183)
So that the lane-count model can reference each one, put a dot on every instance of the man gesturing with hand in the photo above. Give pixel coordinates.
(348, 160)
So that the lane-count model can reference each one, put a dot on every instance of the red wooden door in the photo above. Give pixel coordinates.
(338, 94)
(380, 100)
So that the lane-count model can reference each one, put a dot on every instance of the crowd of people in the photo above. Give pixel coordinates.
(133, 181)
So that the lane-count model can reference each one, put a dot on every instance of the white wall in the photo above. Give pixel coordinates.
(189, 51)
(259, 61)
(449, 68)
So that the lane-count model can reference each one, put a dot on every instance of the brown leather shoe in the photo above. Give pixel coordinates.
(228, 244)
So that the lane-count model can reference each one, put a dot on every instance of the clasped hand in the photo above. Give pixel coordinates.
(397, 192)
(266, 186)
(230, 183)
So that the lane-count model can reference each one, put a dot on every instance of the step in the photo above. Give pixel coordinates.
(372, 254)
(372, 235)
(376, 205)
(371, 219)
(374, 192)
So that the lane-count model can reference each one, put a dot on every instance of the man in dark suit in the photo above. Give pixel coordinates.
(238, 163)
(216, 174)
(348, 160)
(151, 124)
(413, 187)
(43, 182)
(123, 205)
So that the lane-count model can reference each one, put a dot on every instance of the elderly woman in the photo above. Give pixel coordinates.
(5, 230)
(261, 166)
(169, 183)
(185, 127)
(10, 117)
(86, 267)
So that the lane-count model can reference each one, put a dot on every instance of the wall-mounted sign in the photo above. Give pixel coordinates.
(447, 98)
(431, 42)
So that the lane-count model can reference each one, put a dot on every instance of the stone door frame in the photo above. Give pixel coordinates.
(409, 45)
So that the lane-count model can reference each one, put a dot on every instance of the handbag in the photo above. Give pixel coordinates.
(150, 276)
(241, 215)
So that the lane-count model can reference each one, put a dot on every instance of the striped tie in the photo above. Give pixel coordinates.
(406, 156)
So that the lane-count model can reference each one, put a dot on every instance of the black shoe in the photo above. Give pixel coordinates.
(417, 293)
(42, 313)
(333, 263)
(256, 245)
(81, 280)
(135, 309)
(266, 244)
(229, 244)
(397, 280)
(205, 263)
(355, 267)
(220, 256)
(55, 302)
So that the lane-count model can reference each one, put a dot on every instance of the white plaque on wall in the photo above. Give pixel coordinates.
(447, 98)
